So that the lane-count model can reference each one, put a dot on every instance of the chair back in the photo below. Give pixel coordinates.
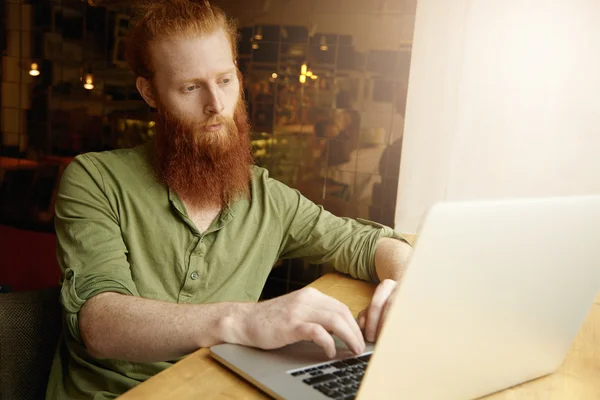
(30, 324)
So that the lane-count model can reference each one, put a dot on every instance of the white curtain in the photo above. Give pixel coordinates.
(503, 101)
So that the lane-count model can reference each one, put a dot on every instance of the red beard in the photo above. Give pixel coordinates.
(206, 169)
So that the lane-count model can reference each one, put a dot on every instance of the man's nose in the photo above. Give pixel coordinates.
(214, 101)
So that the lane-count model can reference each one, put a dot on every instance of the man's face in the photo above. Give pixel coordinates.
(195, 79)
(202, 146)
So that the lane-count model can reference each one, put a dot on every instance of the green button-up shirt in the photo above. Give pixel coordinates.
(119, 230)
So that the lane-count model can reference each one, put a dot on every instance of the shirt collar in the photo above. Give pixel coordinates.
(224, 217)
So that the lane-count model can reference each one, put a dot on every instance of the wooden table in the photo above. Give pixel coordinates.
(199, 377)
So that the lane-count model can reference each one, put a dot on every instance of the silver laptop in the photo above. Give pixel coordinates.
(493, 296)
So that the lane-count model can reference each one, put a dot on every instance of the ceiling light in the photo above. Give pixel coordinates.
(88, 82)
(258, 35)
(324, 46)
(35, 71)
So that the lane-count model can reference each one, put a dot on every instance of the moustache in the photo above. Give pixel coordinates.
(216, 120)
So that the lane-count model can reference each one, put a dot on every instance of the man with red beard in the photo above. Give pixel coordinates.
(165, 248)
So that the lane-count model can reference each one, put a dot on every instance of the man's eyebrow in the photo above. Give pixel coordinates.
(225, 72)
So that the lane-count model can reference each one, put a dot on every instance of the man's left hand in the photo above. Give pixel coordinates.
(371, 319)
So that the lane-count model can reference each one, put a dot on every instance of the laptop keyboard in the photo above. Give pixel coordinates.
(336, 380)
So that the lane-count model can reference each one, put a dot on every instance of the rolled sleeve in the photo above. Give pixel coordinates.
(90, 248)
(316, 235)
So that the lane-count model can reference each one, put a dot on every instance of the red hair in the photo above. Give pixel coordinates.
(162, 19)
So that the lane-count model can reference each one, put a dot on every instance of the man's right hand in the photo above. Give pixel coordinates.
(306, 314)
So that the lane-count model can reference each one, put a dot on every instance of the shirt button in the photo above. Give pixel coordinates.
(194, 275)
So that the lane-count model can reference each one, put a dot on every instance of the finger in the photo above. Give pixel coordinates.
(362, 313)
(361, 321)
(333, 315)
(340, 327)
(336, 306)
(383, 291)
(356, 329)
(317, 334)
(384, 314)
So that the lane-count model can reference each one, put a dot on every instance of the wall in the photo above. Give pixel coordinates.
(504, 101)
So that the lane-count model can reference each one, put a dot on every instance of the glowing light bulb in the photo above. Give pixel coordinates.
(35, 71)
(88, 82)
(258, 35)
(324, 46)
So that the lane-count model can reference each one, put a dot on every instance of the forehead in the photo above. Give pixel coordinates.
(191, 57)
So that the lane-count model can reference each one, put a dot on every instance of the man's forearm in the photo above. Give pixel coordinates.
(391, 258)
(143, 330)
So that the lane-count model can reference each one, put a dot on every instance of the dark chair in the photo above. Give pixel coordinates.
(30, 324)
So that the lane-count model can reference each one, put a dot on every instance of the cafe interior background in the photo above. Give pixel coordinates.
(326, 87)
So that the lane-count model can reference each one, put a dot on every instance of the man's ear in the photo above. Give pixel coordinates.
(145, 88)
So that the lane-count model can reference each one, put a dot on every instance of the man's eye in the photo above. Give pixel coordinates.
(190, 88)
